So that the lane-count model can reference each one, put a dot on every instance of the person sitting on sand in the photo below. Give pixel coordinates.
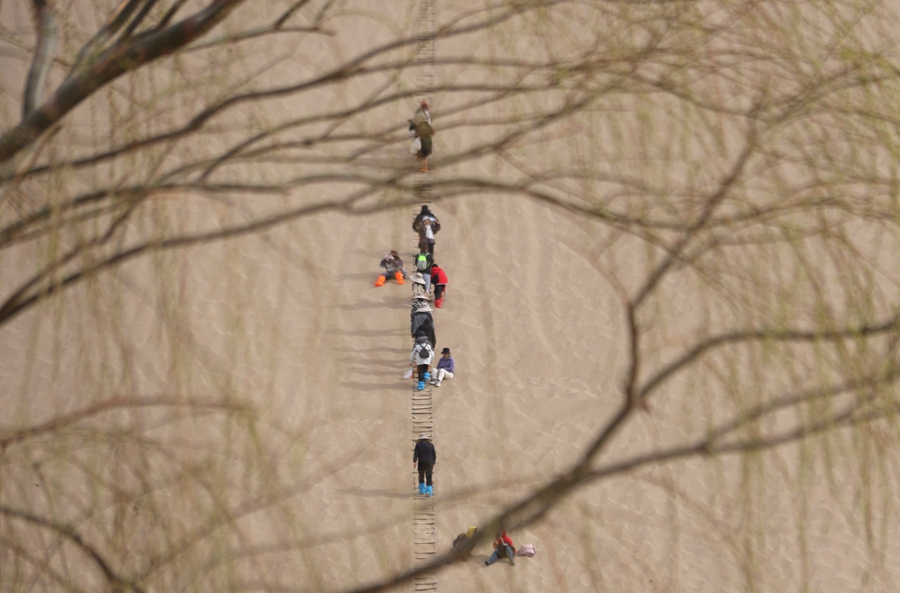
(502, 545)
(425, 455)
(440, 281)
(445, 368)
(462, 539)
(393, 268)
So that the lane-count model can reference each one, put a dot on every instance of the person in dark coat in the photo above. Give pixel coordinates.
(422, 321)
(419, 228)
(425, 456)
(425, 213)
(462, 541)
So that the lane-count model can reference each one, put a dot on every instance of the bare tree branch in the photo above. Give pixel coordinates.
(107, 67)
(45, 27)
(112, 577)
(107, 405)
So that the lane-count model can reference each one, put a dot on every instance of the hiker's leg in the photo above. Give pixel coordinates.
(444, 374)
(422, 368)
(421, 474)
(492, 559)
(510, 555)
(438, 291)
(428, 472)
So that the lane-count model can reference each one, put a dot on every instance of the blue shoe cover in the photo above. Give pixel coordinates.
(421, 386)
(427, 375)
(429, 491)
(422, 488)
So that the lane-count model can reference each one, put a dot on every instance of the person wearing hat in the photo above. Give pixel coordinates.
(421, 356)
(445, 368)
(421, 321)
(425, 456)
(462, 539)
(418, 287)
(418, 301)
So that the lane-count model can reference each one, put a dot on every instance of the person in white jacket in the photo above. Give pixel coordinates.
(421, 356)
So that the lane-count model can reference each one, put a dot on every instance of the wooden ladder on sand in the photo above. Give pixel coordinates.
(424, 84)
(424, 521)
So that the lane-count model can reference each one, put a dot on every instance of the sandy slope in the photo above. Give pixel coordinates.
(290, 320)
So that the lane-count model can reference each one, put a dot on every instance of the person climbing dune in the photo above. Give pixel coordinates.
(421, 356)
(439, 281)
(421, 129)
(423, 322)
(425, 457)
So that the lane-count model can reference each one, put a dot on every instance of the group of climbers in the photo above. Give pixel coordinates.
(426, 277)
(421, 322)
(429, 274)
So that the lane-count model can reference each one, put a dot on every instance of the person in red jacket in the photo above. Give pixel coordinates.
(502, 545)
(439, 280)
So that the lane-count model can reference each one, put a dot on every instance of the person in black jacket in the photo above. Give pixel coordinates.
(423, 214)
(419, 228)
(422, 321)
(426, 457)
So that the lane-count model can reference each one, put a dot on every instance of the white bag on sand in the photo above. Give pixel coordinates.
(407, 374)
(416, 147)
(525, 550)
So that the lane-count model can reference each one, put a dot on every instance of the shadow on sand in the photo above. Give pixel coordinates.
(383, 493)
(400, 384)
(390, 303)
(372, 333)
(362, 350)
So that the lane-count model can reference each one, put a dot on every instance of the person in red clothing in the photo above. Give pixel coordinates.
(502, 545)
(439, 280)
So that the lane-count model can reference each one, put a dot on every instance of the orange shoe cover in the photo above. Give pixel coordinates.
(380, 281)
(399, 277)
(439, 303)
